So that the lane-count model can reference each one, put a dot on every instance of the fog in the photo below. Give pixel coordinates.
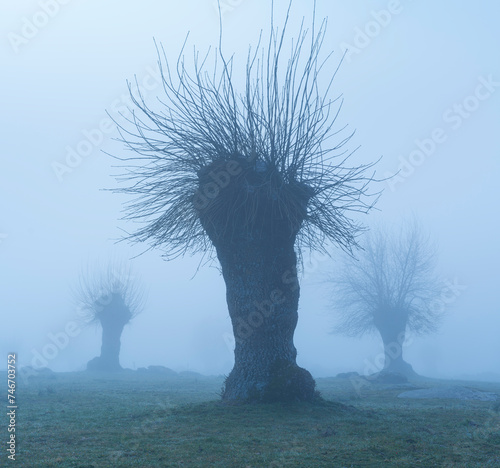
(420, 86)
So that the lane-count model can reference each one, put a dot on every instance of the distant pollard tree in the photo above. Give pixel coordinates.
(389, 288)
(254, 176)
(111, 299)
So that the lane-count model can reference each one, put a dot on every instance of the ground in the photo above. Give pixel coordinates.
(162, 419)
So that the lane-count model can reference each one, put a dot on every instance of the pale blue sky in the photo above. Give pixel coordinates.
(404, 85)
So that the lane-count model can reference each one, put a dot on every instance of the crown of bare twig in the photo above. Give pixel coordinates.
(211, 158)
(110, 292)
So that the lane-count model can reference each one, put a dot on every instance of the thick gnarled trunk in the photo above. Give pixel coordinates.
(109, 360)
(253, 221)
(394, 361)
(392, 331)
(262, 295)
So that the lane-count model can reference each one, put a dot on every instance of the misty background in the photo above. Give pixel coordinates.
(413, 72)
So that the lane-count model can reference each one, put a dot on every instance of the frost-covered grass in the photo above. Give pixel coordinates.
(142, 420)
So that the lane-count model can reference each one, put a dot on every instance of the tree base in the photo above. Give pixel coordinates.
(285, 382)
(98, 364)
(400, 367)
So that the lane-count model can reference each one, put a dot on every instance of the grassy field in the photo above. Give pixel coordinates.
(145, 419)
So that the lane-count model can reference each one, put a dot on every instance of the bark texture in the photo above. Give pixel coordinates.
(262, 297)
(255, 248)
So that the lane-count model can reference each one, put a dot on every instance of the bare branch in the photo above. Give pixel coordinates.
(279, 133)
(99, 287)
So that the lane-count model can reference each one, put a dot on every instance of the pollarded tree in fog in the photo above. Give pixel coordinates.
(111, 299)
(253, 176)
(390, 288)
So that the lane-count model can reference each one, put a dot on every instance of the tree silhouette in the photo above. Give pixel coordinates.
(111, 299)
(390, 288)
(250, 177)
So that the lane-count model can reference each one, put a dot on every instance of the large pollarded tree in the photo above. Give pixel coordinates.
(110, 298)
(391, 288)
(256, 175)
